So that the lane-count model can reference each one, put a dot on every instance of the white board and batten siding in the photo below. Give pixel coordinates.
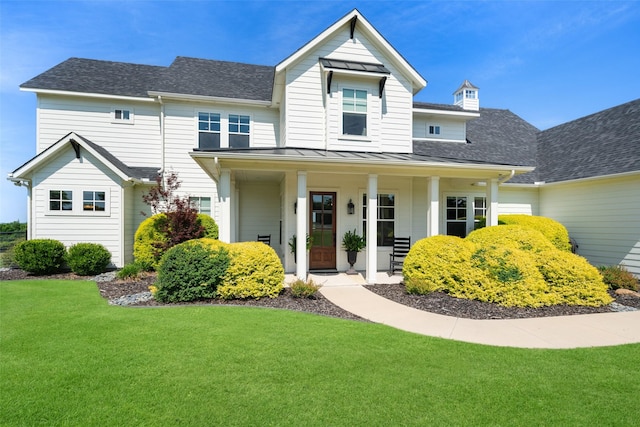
(602, 215)
(66, 172)
(313, 117)
(136, 143)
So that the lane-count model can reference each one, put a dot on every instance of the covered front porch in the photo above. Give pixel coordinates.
(290, 194)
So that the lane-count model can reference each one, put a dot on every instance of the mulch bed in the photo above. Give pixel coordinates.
(436, 302)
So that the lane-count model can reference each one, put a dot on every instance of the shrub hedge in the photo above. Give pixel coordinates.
(88, 258)
(191, 270)
(510, 265)
(40, 256)
(149, 239)
(618, 277)
(255, 271)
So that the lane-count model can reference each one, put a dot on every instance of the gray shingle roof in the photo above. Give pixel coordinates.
(497, 136)
(217, 78)
(103, 77)
(185, 76)
(432, 106)
(604, 143)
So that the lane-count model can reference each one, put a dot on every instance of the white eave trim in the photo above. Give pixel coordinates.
(467, 114)
(205, 98)
(85, 94)
(381, 162)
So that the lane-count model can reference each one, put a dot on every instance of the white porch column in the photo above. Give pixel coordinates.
(492, 202)
(433, 206)
(301, 227)
(372, 229)
(224, 197)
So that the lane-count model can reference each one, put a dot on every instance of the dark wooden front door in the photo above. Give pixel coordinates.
(322, 228)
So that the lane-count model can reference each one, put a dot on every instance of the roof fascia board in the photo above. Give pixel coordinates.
(204, 98)
(86, 94)
(466, 114)
(381, 162)
(418, 81)
(591, 178)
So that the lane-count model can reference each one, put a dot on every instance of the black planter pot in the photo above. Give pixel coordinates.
(352, 257)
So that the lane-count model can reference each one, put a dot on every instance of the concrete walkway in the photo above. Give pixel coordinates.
(587, 330)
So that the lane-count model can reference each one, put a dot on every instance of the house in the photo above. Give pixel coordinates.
(318, 145)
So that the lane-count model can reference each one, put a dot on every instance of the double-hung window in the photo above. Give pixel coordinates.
(354, 112)
(386, 217)
(208, 130)
(60, 200)
(239, 127)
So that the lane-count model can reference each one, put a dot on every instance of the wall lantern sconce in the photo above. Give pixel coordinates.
(351, 208)
(295, 208)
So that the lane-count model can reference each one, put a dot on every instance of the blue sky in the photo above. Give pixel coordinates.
(547, 61)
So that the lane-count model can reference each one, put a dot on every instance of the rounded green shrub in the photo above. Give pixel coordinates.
(255, 271)
(437, 263)
(510, 237)
(149, 240)
(40, 256)
(192, 270)
(551, 229)
(88, 258)
(618, 277)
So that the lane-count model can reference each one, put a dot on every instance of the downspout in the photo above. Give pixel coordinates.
(162, 142)
(507, 178)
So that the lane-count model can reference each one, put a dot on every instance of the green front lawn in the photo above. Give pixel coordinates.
(68, 358)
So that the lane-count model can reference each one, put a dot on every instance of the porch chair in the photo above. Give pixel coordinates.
(265, 238)
(401, 246)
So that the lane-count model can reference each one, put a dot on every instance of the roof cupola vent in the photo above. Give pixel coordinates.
(466, 96)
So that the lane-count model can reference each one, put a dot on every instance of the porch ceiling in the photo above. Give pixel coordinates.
(279, 160)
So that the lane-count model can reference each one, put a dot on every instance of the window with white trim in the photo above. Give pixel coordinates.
(94, 201)
(239, 127)
(386, 217)
(434, 130)
(354, 112)
(122, 115)
(470, 94)
(208, 130)
(60, 200)
(201, 204)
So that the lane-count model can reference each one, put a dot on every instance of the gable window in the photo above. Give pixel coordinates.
(93, 201)
(354, 112)
(201, 204)
(434, 130)
(239, 127)
(60, 200)
(386, 217)
(122, 115)
(208, 130)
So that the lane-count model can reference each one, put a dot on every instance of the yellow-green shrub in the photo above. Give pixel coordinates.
(149, 240)
(551, 229)
(255, 271)
(511, 279)
(510, 237)
(573, 279)
(436, 263)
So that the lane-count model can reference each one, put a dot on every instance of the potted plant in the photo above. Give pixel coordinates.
(352, 243)
(293, 244)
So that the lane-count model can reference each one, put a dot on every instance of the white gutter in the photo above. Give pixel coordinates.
(204, 98)
(446, 112)
(507, 178)
(162, 139)
(86, 94)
